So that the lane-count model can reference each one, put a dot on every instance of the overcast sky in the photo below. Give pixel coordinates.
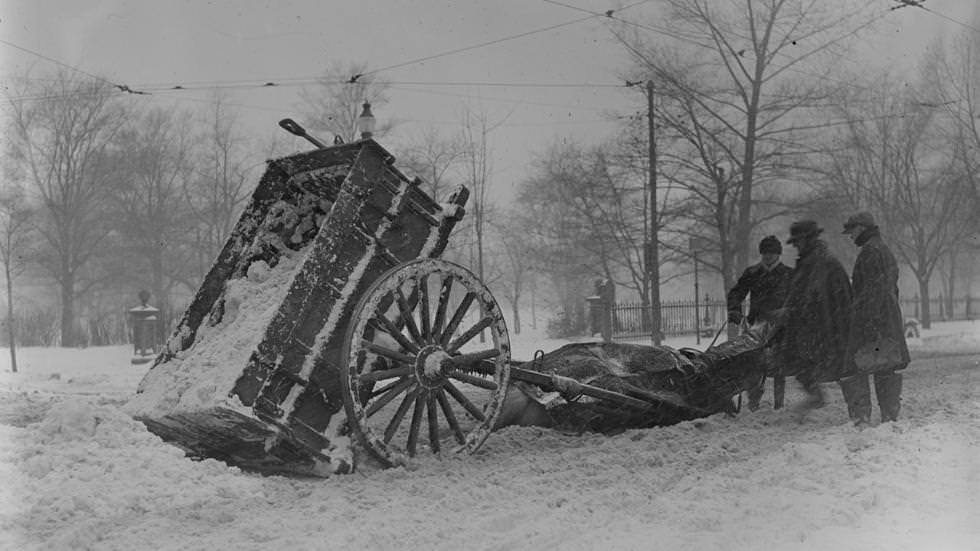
(244, 43)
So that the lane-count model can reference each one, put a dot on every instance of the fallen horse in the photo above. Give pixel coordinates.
(609, 387)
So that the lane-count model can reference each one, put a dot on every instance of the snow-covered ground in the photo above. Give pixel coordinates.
(79, 474)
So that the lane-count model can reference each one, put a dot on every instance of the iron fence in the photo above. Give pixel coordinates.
(632, 319)
(943, 308)
(681, 317)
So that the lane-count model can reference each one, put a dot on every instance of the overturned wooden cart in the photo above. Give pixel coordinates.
(329, 315)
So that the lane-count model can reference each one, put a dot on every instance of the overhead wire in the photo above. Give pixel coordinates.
(302, 81)
(918, 4)
(261, 83)
(592, 15)
(354, 78)
(497, 99)
(677, 36)
(120, 87)
(822, 125)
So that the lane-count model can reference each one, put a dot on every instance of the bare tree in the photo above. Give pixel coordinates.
(605, 201)
(514, 254)
(955, 89)
(335, 103)
(478, 171)
(734, 79)
(153, 215)
(897, 164)
(557, 236)
(218, 191)
(954, 76)
(15, 242)
(433, 158)
(62, 138)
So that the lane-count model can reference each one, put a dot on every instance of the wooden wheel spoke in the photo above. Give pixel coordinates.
(447, 412)
(399, 357)
(411, 311)
(464, 306)
(464, 401)
(379, 391)
(473, 380)
(430, 406)
(472, 360)
(399, 416)
(382, 374)
(406, 316)
(388, 396)
(469, 334)
(413, 431)
(382, 323)
(444, 293)
(423, 306)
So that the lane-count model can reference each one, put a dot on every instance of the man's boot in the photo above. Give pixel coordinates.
(814, 400)
(755, 394)
(778, 390)
(857, 396)
(775, 368)
(888, 388)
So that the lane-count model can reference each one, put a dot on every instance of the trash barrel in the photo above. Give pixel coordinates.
(144, 320)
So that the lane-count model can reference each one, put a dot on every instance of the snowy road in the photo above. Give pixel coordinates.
(87, 477)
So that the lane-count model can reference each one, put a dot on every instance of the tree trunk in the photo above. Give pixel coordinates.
(161, 299)
(951, 291)
(534, 314)
(517, 318)
(728, 281)
(926, 317)
(11, 324)
(67, 309)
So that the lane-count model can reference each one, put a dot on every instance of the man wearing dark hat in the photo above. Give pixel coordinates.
(816, 317)
(765, 284)
(875, 324)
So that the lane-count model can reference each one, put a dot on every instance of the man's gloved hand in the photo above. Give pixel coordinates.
(779, 316)
(734, 317)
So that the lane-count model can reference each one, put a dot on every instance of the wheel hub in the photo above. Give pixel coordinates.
(431, 366)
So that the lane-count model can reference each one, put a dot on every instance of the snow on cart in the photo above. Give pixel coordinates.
(329, 315)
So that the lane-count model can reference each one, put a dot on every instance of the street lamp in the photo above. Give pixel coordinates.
(366, 122)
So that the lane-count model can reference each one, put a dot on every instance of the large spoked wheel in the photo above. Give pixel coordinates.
(425, 362)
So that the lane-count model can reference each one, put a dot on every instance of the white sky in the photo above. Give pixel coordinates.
(164, 43)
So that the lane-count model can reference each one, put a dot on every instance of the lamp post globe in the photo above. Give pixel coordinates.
(366, 122)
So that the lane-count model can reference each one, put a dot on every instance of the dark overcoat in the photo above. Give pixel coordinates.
(875, 310)
(766, 288)
(816, 323)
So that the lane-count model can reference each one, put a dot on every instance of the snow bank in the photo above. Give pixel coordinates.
(81, 474)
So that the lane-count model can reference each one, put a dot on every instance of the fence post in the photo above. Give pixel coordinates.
(707, 311)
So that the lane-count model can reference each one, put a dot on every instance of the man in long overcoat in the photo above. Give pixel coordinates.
(815, 319)
(875, 315)
(765, 284)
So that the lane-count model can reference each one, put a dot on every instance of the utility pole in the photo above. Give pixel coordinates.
(653, 262)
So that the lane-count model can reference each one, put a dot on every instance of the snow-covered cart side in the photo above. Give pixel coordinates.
(250, 375)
